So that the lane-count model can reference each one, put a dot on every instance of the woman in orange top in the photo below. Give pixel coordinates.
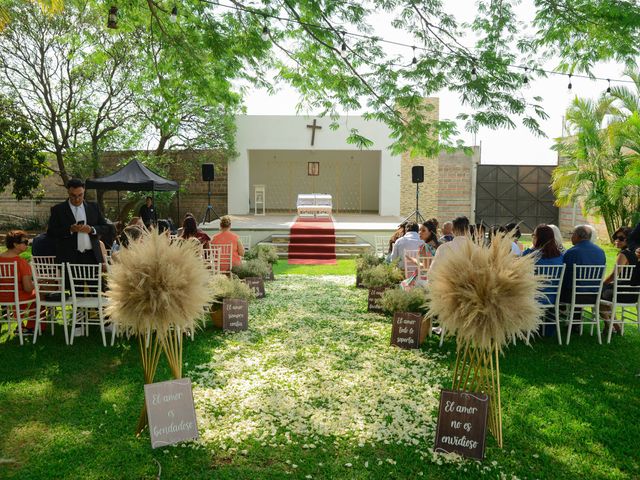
(16, 242)
(226, 236)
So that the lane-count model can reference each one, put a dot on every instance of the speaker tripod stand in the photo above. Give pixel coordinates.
(207, 213)
(416, 212)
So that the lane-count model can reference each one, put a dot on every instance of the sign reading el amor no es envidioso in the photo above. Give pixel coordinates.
(170, 410)
(462, 423)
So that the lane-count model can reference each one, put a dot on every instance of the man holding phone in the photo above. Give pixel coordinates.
(75, 226)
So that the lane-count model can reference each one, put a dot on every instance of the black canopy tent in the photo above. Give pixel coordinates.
(135, 177)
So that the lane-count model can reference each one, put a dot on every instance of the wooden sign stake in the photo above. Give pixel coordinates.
(477, 370)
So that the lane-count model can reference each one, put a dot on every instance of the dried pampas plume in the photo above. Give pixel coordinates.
(485, 294)
(156, 284)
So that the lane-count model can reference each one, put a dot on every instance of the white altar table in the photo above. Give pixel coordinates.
(314, 204)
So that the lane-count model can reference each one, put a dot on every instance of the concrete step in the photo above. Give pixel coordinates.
(341, 250)
(339, 238)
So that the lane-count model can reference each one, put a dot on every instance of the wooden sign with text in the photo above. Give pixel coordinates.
(235, 315)
(375, 294)
(405, 332)
(170, 410)
(462, 423)
(257, 285)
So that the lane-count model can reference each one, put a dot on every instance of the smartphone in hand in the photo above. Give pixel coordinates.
(80, 222)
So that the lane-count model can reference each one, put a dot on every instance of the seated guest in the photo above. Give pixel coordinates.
(434, 221)
(447, 232)
(399, 233)
(558, 237)
(428, 234)
(131, 233)
(190, 230)
(226, 236)
(460, 231)
(164, 227)
(16, 242)
(514, 229)
(583, 252)
(546, 252)
(409, 241)
(625, 257)
(43, 246)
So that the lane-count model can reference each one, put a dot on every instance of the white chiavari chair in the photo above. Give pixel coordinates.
(51, 296)
(585, 293)
(626, 297)
(551, 277)
(87, 297)
(13, 310)
(381, 245)
(246, 241)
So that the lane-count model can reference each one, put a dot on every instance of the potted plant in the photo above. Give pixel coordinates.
(266, 253)
(399, 302)
(378, 279)
(254, 272)
(227, 287)
(364, 262)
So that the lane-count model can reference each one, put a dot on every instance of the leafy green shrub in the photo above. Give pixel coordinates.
(399, 300)
(366, 261)
(384, 275)
(252, 268)
(225, 287)
(267, 253)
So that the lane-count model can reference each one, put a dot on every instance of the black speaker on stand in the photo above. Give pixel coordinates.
(417, 177)
(208, 175)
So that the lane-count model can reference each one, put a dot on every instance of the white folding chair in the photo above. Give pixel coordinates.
(13, 309)
(551, 277)
(51, 294)
(46, 259)
(625, 296)
(87, 296)
(410, 260)
(381, 245)
(211, 258)
(246, 241)
(225, 257)
(585, 293)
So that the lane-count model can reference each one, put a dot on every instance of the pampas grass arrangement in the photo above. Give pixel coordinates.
(486, 297)
(158, 290)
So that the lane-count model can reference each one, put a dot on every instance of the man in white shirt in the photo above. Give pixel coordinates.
(410, 241)
(460, 231)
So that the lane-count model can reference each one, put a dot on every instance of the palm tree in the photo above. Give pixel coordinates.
(601, 167)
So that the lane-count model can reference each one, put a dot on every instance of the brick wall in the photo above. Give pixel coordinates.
(570, 217)
(429, 189)
(193, 200)
(455, 184)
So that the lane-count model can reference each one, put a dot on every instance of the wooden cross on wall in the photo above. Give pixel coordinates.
(313, 128)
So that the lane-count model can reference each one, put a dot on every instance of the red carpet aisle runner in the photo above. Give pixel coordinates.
(312, 241)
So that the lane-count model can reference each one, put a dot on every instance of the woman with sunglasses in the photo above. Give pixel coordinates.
(625, 257)
(17, 242)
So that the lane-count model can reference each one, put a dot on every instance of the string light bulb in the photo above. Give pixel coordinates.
(265, 33)
(173, 18)
(414, 60)
(474, 74)
(570, 86)
(608, 87)
(112, 19)
(525, 80)
(343, 49)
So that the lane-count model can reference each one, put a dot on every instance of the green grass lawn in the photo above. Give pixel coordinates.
(318, 370)
(345, 266)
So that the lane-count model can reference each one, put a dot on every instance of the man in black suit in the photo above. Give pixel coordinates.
(75, 225)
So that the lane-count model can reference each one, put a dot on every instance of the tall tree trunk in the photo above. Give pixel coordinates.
(61, 168)
(162, 143)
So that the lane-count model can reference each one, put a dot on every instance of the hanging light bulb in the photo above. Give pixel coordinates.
(112, 19)
(474, 74)
(570, 86)
(525, 80)
(414, 60)
(173, 18)
(265, 33)
(608, 87)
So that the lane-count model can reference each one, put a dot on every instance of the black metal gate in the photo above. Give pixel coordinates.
(515, 193)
